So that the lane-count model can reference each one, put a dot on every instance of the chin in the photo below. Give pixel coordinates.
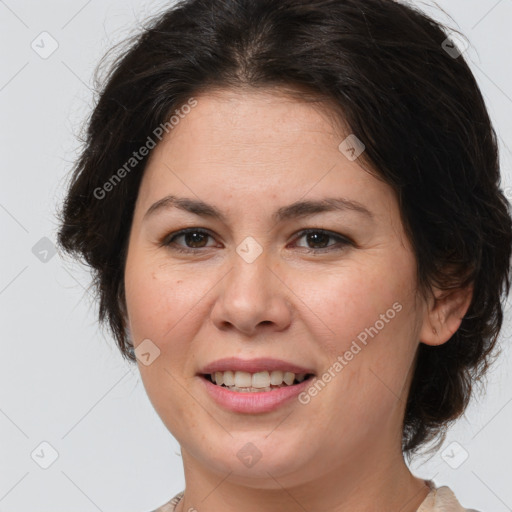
(254, 461)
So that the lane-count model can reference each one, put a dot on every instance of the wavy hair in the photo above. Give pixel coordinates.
(386, 69)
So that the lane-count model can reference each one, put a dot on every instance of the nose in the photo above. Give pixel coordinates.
(253, 297)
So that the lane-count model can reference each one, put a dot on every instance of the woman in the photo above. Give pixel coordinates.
(293, 215)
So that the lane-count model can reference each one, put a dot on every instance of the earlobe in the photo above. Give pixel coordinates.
(444, 313)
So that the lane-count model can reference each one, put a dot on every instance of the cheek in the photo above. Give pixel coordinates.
(371, 315)
(160, 303)
(145, 300)
(156, 297)
(362, 301)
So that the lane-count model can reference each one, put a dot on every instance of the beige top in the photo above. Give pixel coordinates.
(439, 499)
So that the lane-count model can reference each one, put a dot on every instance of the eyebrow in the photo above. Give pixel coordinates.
(295, 210)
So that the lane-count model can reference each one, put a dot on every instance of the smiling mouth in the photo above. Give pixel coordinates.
(245, 382)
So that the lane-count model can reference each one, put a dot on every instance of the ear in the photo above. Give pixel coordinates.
(443, 314)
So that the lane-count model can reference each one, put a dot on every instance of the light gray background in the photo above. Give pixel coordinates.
(62, 380)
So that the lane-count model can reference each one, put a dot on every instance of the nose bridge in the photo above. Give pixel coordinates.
(250, 293)
(251, 272)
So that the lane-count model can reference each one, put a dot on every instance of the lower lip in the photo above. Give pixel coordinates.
(256, 402)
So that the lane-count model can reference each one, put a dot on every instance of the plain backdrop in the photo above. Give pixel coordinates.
(77, 431)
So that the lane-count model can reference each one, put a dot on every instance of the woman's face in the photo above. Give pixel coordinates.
(255, 294)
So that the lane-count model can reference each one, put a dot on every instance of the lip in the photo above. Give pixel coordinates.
(253, 365)
(253, 403)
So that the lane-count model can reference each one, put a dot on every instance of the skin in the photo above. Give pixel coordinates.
(248, 153)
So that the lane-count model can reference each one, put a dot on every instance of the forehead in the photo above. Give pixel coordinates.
(254, 146)
(258, 125)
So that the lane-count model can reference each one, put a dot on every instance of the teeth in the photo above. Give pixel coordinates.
(256, 381)
(289, 377)
(229, 378)
(276, 378)
(243, 380)
(260, 380)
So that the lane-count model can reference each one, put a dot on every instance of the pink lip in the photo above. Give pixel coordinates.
(252, 365)
(253, 403)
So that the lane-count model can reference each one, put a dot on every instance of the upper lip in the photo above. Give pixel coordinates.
(260, 364)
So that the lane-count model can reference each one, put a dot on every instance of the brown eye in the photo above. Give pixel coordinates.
(319, 238)
(194, 239)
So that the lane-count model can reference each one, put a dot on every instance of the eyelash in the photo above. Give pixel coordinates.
(168, 241)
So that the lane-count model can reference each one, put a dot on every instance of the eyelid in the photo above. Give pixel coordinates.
(332, 234)
(342, 240)
(168, 239)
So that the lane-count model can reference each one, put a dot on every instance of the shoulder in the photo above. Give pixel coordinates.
(442, 499)
(170, 505)
(439, 499)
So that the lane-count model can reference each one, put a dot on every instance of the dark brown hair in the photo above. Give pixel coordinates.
(414, 104)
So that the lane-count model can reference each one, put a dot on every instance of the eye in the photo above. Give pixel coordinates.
(320, 237)
(197, 238)
(194, 236)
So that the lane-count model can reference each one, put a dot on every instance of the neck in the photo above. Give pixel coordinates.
(362, 485)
